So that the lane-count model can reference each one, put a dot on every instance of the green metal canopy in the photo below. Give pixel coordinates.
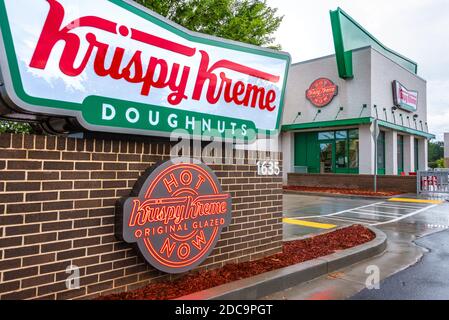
(349, 36)
(353, 122)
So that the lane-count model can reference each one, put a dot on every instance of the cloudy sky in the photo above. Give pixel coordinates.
(418, 29)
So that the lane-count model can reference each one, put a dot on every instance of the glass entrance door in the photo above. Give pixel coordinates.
(326, 157)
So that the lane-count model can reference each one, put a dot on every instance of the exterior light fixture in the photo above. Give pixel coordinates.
(339, 111)
(363, 108)
(297, 116)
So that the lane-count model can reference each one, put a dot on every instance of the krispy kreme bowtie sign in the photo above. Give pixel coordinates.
(117, 67)
(175, 215)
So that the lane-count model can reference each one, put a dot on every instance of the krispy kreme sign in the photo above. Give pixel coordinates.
(404, 98)
(117, 67)
(175, 215)
(321, 92)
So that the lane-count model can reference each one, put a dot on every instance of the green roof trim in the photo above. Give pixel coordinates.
(352, 122)
(326, 124)
(414, 132)
(350, 35)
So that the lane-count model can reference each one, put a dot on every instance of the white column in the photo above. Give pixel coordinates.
(288, 154)
(409, 154)
(446, 150)
(391, 150)
(423, 154)
(366, 151)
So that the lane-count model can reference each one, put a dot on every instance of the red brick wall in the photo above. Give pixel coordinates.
(349, 181)
(57, 208)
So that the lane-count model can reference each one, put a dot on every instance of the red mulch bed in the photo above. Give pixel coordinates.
(294, 252)
(343, 191)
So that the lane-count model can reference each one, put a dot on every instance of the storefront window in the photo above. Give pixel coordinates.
(341, 135)
(354, 153)
(326, 162)
(341, 158)
(328, 152)
(354, 134)
(326, 135)
(400, 154)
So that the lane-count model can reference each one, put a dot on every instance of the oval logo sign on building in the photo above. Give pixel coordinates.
(321, 92)
(175, 215)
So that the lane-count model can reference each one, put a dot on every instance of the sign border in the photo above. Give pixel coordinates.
(330, 101)
(403, 106)
(14, 95)
(138, 191)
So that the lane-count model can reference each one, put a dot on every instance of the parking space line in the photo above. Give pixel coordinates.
(415, 200)
(394, 206)
(381, 212)
(336, 213)
(310, 224)
(375, 215)
(349, 220)
(406, 216)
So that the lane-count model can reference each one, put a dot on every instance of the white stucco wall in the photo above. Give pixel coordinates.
(372, 85)
(352, 94)
(383, 73)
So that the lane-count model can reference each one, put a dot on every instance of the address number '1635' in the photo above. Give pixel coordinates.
(268, 168)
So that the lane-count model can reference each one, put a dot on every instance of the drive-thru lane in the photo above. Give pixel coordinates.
(323, 213)
(403, 223)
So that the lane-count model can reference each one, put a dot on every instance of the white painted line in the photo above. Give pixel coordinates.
(375, 215)
(400, 206)
(406, 216)
(336, 213)
(381, 212)
(350, 220)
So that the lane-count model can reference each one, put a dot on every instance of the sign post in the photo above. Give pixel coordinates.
(375, 132)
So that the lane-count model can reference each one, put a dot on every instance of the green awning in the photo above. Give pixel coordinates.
(352, 122)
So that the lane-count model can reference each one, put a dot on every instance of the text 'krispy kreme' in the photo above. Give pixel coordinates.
(114, 66)
(178, 215)
(157, 72)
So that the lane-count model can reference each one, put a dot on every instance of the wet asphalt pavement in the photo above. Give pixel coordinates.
(415, 264)
(426, 280)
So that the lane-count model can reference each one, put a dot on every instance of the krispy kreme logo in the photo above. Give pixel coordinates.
(177, 216)
(138, 72)
(321, 92)
(404, 98)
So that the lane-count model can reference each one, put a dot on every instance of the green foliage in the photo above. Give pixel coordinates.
(249, 21)
(436, 151)
(14, 127)
(440, 163)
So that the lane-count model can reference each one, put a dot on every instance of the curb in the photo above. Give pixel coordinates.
(267, 283)
(336, 195)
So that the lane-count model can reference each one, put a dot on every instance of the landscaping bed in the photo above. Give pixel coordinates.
(294, 252)
(342, 191)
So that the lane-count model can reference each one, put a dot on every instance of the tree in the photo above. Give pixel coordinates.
(14, 127)
(249, 21)
(435, 152)
(440, 163)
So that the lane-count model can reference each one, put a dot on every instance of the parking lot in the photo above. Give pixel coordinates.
(304, 215)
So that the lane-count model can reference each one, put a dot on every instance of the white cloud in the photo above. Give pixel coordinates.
(418, 29)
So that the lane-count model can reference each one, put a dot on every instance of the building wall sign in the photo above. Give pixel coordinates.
(321, 92)
(175, 215)
(117, 67)
(404, 98)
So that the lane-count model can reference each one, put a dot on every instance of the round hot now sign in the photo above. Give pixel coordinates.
(175, 215)
(321, 92)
